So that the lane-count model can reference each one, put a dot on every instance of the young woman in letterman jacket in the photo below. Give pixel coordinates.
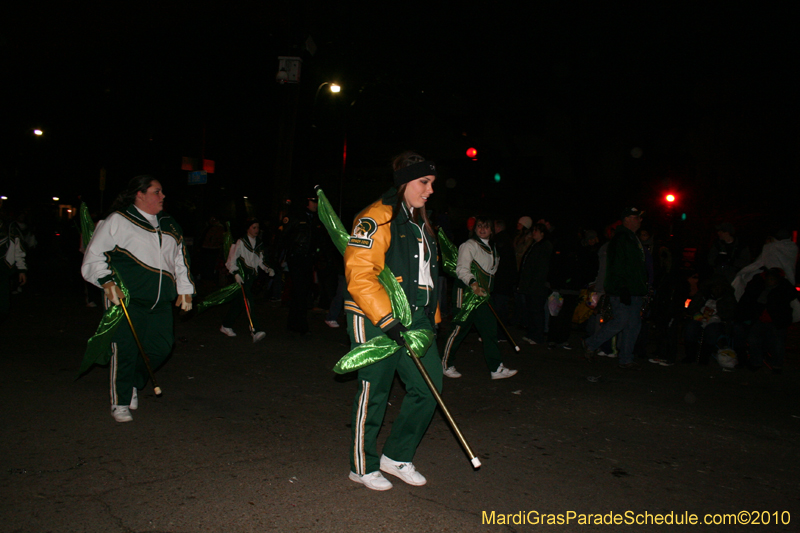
(476, 266)
(145, 247)
(250, 249)
(395, 232)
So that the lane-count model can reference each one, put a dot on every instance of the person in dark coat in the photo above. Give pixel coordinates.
(533, 273)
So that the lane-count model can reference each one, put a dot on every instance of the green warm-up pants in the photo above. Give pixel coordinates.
(154, 329)
(374, 385)
(486, 324)
(237, 306)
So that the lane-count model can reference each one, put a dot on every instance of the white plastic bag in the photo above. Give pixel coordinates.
(726, 358)
(554, 303)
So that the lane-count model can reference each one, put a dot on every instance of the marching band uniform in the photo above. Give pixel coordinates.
(251, 251)
(12, 256)
(411, 253)
(477, 262)
(148, 253)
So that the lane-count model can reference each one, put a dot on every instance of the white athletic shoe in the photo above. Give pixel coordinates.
(503, 372)
(227, 331)
(332, 323)
(451, 372)
(134, 400)
(121, 413)
(258, 336)
(601, 353)
(373, 480)
(405, 471)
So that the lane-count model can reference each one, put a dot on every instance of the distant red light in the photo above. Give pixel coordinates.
(472, 153)
(670, 198)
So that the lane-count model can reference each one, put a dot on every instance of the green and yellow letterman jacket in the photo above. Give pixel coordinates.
(377, 241)
(152, 261)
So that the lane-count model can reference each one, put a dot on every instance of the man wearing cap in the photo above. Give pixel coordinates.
(523, 238)
(626, 285)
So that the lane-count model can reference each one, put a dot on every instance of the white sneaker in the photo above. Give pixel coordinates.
(529, 341)
(451, 372)
(121, 413)
(134, 400)
(405, 471)
(332, 323)
(258, 336)
(503, 372)
(91, 304)
(601, 353)
(227, 331)
(373, 480)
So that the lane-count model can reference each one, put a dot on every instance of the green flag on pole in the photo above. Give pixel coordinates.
(98, 348)
(470, 301)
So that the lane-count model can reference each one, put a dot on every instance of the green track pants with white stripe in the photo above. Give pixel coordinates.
(486, 324)
(154, 329)
(374, 385)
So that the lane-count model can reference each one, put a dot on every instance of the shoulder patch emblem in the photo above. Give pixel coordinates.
(363, 232)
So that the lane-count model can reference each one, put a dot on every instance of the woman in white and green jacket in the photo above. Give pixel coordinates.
(476, 266)
(144, 248)
(248, 252)
(12, 256)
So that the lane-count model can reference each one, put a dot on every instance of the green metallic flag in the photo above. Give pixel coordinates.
(223, 295)
(227, 241)
(379, 347)
(470, 301)
(219, 297)
(98, 349)
(87, 224)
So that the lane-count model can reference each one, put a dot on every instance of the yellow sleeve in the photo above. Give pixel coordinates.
(364, 259)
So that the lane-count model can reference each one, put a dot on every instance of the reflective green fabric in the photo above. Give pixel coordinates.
(449, 261)
(87, 225)
(225, 294)
(380, 347)
(449, 254)
(219, 297)
(227, 241)
(98, 349)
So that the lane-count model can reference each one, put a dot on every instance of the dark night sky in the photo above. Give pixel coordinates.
(554, 98)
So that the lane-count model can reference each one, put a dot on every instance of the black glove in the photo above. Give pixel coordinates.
(394, 333)
(625, 296)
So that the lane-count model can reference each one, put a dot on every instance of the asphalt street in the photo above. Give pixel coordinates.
(254, 437)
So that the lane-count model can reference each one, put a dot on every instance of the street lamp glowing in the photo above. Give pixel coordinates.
(38, 132)
(335, 88)
(55, 198)
(670, 198)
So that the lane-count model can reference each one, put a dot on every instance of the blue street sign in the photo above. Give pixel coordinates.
(198, 177)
